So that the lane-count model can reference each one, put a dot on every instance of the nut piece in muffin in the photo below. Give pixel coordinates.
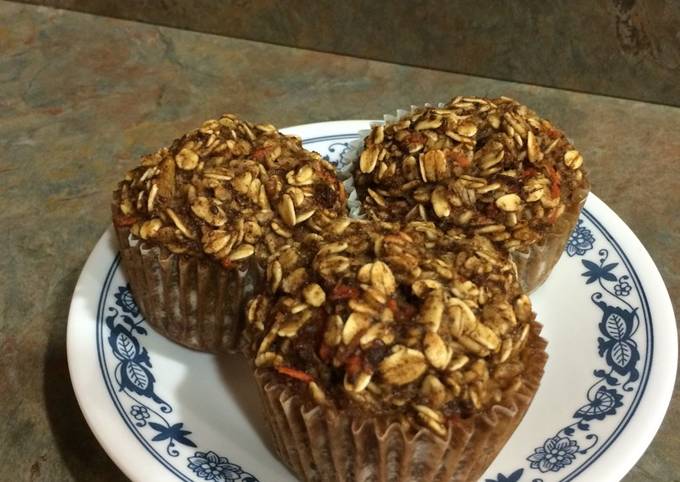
(393, 340)
(196, 221)
(478, 166)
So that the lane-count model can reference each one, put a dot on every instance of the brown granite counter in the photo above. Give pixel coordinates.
(626, 48)
(81, 97)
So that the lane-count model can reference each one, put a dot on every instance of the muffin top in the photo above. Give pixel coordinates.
(391, 319)
(473, 166)
(228, 190)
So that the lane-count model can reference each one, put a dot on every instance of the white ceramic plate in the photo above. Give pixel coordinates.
(163, 412)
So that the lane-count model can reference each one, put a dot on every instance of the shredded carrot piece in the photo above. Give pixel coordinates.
(353, 365)
(392, 305)
(293, 373)
(553, 133)
(325, 352)
(344, 292)
(123, 220)
(529, 172)
(416, 137)
(458, 157)
(555, 181)
(555, 190)
(463, 160)
(260, 154)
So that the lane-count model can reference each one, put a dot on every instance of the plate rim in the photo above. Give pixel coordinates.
(110, 432)
(664, 358)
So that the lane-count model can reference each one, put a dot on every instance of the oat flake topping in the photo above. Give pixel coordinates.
(391, 318)
(473, 166)
(228, 190)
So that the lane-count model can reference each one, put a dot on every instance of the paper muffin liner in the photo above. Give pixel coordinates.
(191, 300)
(345, 173)
(534, 264)
(324, 444)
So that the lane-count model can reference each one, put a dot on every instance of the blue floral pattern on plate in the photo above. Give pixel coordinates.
(613, 394)
(618, 325)
(513, 477)
(554, 455)
(580, 241)
(210, 466)
(136, 381)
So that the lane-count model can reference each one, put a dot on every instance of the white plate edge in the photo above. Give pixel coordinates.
(93, 398)
(638, 435)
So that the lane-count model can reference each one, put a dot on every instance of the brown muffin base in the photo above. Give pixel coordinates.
(326, 444)
(190, 300)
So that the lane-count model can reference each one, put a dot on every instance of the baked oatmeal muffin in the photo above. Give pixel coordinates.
(478, 166)
(196, 221)
(393, 354)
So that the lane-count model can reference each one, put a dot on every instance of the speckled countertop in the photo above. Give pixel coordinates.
(81, 97)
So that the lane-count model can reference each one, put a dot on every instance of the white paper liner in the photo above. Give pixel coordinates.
(191, 300)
